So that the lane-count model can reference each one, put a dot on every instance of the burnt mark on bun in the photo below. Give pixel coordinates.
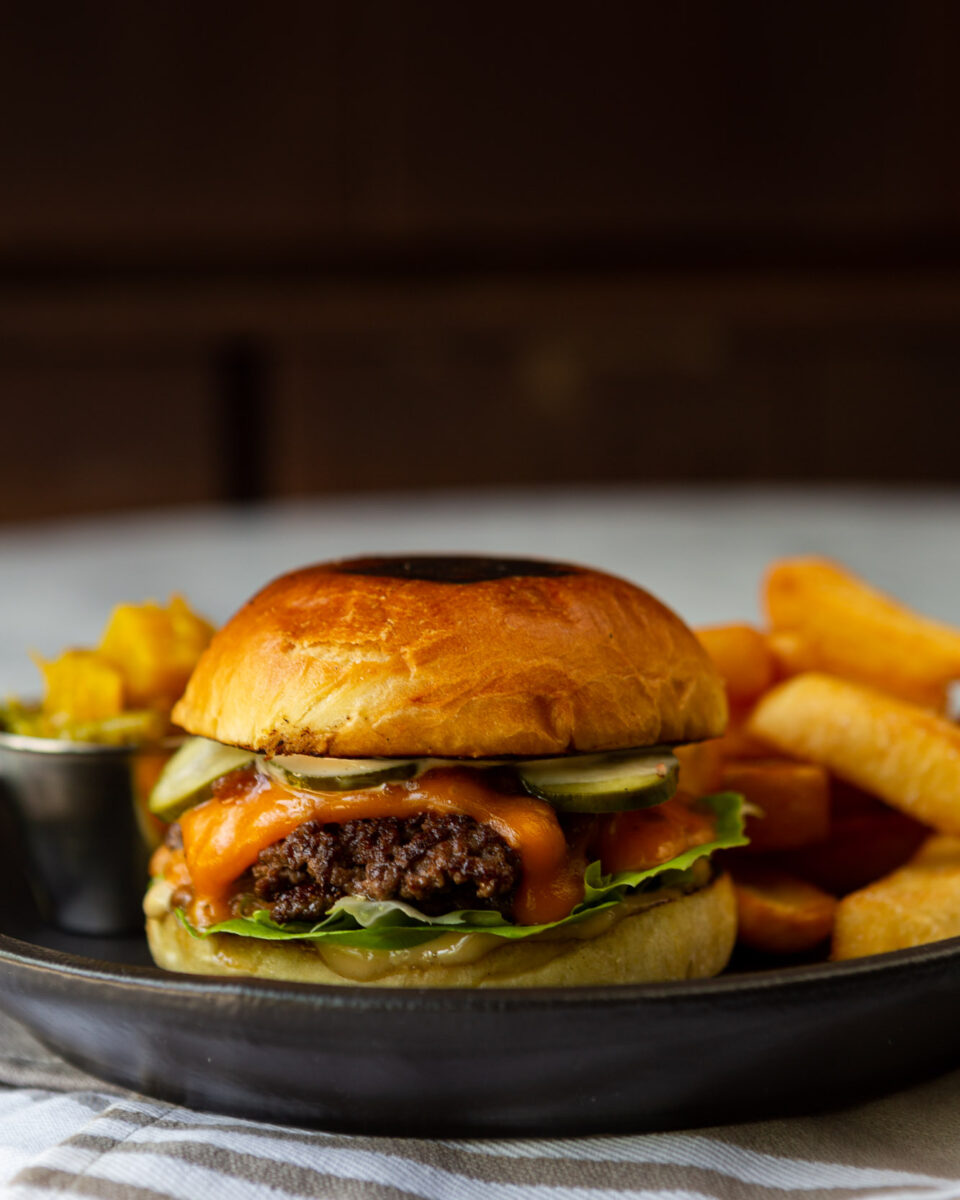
(453, 568)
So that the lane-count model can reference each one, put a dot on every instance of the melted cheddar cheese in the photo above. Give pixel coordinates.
(646, 837)
(223, 836)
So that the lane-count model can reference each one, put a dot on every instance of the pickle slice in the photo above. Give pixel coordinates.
(126, 728)
(598, 783)
(187, 777)
(338, 774)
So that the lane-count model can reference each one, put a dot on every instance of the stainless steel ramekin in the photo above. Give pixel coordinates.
(80, 811)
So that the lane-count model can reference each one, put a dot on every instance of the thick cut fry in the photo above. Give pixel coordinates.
(702, 763)
(741, 655)
(793, 797)
(739, 743)
(155, 649)
(920, 903)
(80, 686)
(861, 847)
(780, 914)
(146, 768)
(900, 752)
(700, 767)
(841, 625)
(790, 653)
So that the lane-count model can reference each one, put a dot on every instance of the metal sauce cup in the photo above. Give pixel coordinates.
(80, 810)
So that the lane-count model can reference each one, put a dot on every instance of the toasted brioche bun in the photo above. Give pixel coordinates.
(452, 657)
(683, 937)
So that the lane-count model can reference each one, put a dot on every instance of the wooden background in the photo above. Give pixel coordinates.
(261, 249)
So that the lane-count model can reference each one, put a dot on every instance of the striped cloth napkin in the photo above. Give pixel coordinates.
(63, 1133)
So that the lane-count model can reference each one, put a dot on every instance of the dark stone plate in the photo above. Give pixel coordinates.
(430, 1063)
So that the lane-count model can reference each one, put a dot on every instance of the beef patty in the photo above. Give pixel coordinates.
(435, 861)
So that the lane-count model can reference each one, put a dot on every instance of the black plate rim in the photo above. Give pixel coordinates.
(23, 954)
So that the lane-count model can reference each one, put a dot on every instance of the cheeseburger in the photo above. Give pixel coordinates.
(444, 772)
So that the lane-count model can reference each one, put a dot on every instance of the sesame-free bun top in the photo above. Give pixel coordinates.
(452, 657)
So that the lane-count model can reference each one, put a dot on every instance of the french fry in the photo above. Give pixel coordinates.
(842, 626)
(80, 686)
(741, 655)
(791, 654)
(898, 751)
(155, 649)
(701, 765)
(780, 914)
(917, 904)
(794, 798)
(738, 742)
(862, 847)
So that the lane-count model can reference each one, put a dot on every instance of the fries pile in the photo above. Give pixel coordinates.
(840, 742)
(123, 691)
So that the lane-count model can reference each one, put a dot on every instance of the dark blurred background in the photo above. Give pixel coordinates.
(267, 249)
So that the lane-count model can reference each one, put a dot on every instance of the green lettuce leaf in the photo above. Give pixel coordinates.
(393, 925)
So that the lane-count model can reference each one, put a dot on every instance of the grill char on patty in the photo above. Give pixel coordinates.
(435, 861)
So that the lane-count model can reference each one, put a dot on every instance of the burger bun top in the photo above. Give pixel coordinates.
(452, 657)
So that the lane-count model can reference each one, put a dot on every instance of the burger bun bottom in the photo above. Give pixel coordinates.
(682, 936)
